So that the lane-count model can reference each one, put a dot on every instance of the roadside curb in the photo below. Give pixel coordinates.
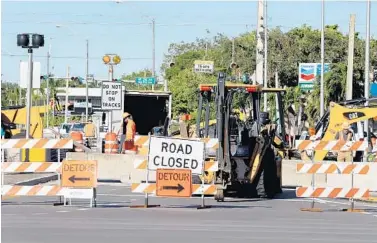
(371, 200)
(39, 180)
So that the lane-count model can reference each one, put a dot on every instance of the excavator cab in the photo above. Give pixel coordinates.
(249, 163)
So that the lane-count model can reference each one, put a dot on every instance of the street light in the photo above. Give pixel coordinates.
(23, 40)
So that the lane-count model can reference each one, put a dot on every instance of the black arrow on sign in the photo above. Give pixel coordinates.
(74, 178)
(179, 188)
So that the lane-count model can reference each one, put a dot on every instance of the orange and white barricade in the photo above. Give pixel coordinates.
(210, 166)
(34, 167)
(330, 167)
(37, 167)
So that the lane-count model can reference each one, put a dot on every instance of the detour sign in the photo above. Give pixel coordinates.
(173, 183)
(76, 173)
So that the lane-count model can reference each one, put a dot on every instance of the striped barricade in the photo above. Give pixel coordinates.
(328, 167)
(190, 187)
(38, 167)
(150, 188)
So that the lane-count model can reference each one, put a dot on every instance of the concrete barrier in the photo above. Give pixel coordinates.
(119, 167)
(114, 167)
(291, 179)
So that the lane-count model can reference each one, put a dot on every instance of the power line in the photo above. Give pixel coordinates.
(126, 23)
(75, 57)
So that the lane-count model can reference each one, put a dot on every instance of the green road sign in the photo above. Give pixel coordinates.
(149, 80)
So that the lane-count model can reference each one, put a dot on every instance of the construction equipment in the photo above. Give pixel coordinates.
(249, 163)
(351, 111)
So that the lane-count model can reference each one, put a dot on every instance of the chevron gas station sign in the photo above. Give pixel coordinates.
(308, 73)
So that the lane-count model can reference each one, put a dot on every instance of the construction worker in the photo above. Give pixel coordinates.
(90, 129)
(128, 129)
(346, 135)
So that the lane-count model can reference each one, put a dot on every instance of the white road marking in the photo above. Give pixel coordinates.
(123, 195)
(62, 211)
(365, 213)
(83, 209)
(39, 213)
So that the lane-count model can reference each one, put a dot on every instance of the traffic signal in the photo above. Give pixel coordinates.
(45, 77)
(233, 65)
(80, 79)
(245, 78)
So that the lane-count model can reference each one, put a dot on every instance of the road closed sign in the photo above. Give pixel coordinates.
(170, 153)
(82, 174)
(111, 96)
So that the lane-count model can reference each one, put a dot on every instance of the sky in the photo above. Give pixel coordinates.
(124, 29)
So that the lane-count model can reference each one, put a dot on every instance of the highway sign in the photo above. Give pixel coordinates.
(149, 80)
(173, 153)
(111, 95)
(77, 173)
(203, 66)
(173, 183)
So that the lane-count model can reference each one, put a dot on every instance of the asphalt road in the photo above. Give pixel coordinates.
(31, 220)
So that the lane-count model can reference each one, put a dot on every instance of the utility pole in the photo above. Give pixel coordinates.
(66, 97)
(351, 46)
(322, 95)
(47, 86)
(277, 86)
(86, 80)
(153, 51)
(259, 49)
(20, 90)
(366, 73)
(265, 81)
(111, 77)
(28, 93)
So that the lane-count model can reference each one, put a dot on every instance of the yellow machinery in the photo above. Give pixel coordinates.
(332, 121)
(18, 116)
(249, 163)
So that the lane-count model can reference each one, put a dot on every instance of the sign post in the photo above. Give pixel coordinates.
(175, 161)
(81, 179)
(111, 98)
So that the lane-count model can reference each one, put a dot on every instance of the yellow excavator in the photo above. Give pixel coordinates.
(16, 116)
(351, 111)
(249, 163)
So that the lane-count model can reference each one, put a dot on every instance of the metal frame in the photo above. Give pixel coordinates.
(223, 99)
